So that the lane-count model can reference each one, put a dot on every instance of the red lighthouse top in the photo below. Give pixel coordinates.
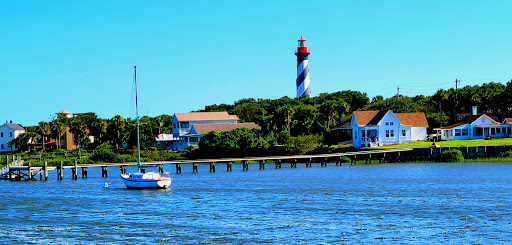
(302, 49)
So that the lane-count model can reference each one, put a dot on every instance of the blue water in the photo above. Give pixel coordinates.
(441, 203)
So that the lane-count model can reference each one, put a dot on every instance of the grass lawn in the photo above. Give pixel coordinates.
(451, 143)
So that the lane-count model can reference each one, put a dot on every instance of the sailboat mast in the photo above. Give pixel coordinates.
(137, 114)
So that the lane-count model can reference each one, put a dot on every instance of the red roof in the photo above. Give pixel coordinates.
(415, 119)
(205, 116)
(302, 39)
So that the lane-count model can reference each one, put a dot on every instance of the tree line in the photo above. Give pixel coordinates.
(288, 125)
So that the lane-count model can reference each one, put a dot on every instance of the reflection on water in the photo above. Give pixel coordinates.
(405, 203)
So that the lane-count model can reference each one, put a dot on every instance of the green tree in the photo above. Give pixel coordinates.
(44, 130)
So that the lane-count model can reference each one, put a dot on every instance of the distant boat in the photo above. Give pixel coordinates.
(143, 180)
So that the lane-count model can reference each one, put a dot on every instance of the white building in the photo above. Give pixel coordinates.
(164, 141)
(377, 128)
(475, 126)
(9, 131)
(182, 125)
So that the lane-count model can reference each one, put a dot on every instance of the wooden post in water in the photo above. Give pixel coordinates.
(293, 163)
(194, 167)
(229, 166)
(29, 171)
(262, 165)
(308, 163)
(122, 168)
(324, 162)
(212, 167)
(178, 168)
(60, 172)
(278, 164)
(84, 172)
(160, 168)
(45, 168)
(104, 171)
(75, 171)
(245, 165)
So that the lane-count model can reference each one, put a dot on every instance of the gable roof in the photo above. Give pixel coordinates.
(364, 117)
(205, 116)
(14, 126)
(221, 127)
(415, 119)
(469, 120)
(508, 119)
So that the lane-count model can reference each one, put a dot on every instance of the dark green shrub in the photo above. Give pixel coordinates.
(506, 154)
(102, 153)
(345, 159)
(452, 156)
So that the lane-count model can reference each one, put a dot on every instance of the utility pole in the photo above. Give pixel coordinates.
(398, 91)
(440, 115)
(457, 82)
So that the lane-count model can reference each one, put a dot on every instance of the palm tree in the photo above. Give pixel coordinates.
(101, 126)
(59, 128)
(43, 129)
(117, 124)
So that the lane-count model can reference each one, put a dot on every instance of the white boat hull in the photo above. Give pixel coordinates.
(149, 180)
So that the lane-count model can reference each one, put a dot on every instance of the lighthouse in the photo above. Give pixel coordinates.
(302, 69)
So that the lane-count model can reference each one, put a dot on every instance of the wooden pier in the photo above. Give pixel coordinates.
(29, 172)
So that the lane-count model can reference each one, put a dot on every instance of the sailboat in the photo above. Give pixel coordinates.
(141, 179)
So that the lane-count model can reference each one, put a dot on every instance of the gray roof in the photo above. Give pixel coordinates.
(14, 126)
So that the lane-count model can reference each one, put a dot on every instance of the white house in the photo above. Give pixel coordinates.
(182, 125)
(164, 141)
(475, 126)
(9, 131)
(377, 128)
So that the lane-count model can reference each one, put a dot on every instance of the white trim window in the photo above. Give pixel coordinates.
(404, 133)
(389, 123)
(390, 133)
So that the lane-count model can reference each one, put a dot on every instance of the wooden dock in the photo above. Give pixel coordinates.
(29, 172)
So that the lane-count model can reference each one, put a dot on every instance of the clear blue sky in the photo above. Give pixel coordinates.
(79, 55)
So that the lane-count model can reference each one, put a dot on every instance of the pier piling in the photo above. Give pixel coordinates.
(178, 168)
(84, 172)
(194, 167)
(245, 166)
(212, 167)
(229, 166)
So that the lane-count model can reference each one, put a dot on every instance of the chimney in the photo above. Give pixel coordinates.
(6, 121)
(11, 121)
(474, 110)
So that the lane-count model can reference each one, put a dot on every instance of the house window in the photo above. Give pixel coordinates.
(465, 132)
(404, 133)
(184, 125)
(2, 146)
(390, 133)
(389, 123)
(363, 135)
(194, 139)
(498, 130)
(477, 131)
(493, 131)
(508, 130)
(10, 134)
(457, 132)
(2, 134)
